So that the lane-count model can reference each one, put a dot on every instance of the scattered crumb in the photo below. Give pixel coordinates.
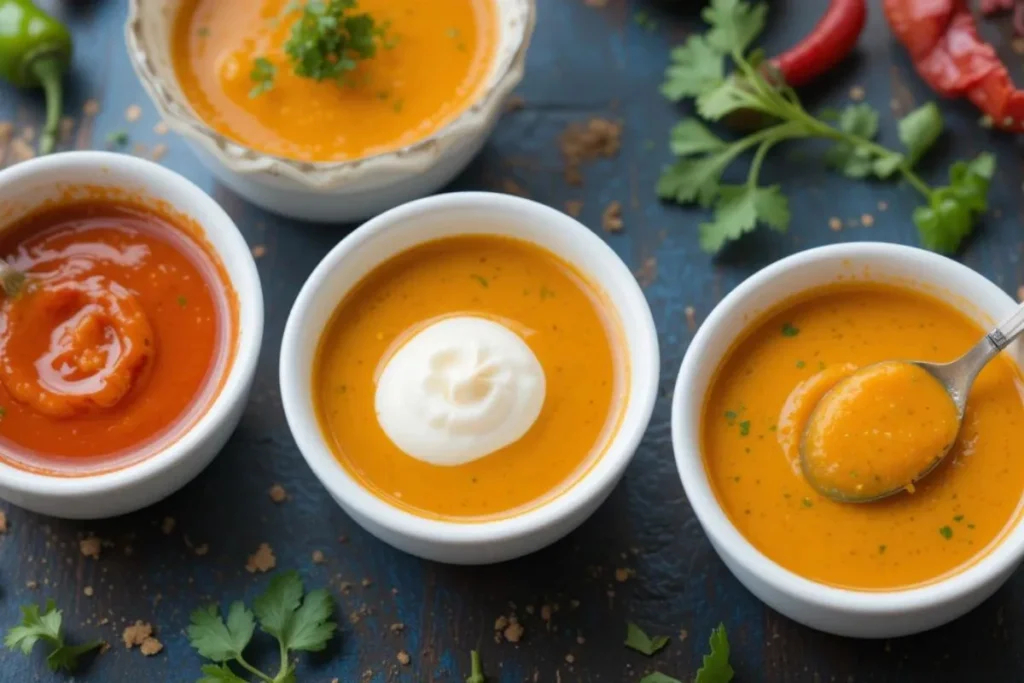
(545, 612)
(161, 128)
(514, 631)
(683, 635)
(90, 547)
(509, 186)
(570, 659)
(623, 575)
(31, 585)
(6, 130)
(366, 583)
(530, 609)
(1020, 293)
(262, 560)
(3, 523)
(647, 272)
(595, 3)
(150, 647)
(611, 219)
(318, 557)
(21, 150)
(883, 205)
(88, 591)
(136, 634)
(580, 639)
(515, 103)
(857, 93)
(168, 525)
(584, 142)
(139, 149)
(28, 133)
(159, 150)
(259, 251)
(403, 658)
(397, 627)
(277, 492)
(867, 220)
(501, 623)
(1018, 45)
(834, 224)
(91, 108)
(133, 113)
(574, 208)
(67, 127)
(691, 317)
(574, 603)
(202, 549)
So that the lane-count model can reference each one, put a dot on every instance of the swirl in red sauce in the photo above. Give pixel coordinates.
(117, 341)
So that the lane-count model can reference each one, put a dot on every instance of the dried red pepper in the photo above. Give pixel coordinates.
(942, 39)
(826, 45)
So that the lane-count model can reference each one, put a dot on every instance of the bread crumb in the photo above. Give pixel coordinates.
(318, 557)
(159, 150)
(88, 591)
(403, 658)
(647, 273)
(345, 587)
(277, 492)
(569, 658)
(867, 220)
(584, 142)
(574, 208)
(509, 186)
(133, 113)
(514, 631)
(31, 585)
(3, 523)
(91, 108)
(202, 549)
(168, 525)
(1020, 293)
(397, 627)
(136, 634)
(683, 635)
(262, 560)
(161, 128)
(515, 103)
(691, 317)
(622, 575)
(501, 623)
(834, 224)
(545, 612)
(90, 547)
(366, 583)
(611, 219)
(259, 251)
(857, 93)
(150, 647)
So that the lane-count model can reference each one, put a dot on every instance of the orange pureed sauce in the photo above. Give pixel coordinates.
(117, 341)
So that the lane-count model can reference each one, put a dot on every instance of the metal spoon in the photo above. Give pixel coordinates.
(957, 378)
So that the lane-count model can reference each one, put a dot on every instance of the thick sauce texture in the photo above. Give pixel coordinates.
(758, 399)
(441, 54)
(878, 430)
(115, 343)
(559, 315)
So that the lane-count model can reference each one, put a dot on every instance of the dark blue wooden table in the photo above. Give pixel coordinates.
(585, 62)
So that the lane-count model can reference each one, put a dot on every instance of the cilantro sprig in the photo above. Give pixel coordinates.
(637, 639)
(45, 626)
(698, 70)
(299, 623)
(715, 667)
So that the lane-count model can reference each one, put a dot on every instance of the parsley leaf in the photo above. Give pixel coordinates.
(300, 624)
(696, 68)
(716, 668)
(637, 640)
(328, 40)
(45, 626)
(846, 156)
(690, 137)
(951, 211)
(739, 209)
(263, 73)
(734, 24)
(691, 180)
(919, 130)
(658, 677)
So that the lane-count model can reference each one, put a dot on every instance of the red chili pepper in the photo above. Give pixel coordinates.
(826, 45)
(942, 39)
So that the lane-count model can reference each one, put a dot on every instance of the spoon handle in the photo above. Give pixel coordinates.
(1008, 330)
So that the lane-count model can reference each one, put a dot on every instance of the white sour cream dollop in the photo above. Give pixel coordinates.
(459, 390)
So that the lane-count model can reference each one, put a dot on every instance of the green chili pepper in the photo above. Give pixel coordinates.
(35, 50)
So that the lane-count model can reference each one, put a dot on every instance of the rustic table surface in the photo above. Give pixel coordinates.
(585, 62)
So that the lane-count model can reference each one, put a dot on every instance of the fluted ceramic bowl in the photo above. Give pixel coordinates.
(329, 191)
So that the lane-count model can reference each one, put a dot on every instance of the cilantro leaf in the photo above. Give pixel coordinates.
(213, 673)
(217, 641)
(690, 180)
(850, 159)
(654, 677)
(728, 96)
(328, 41)
(690, 137)
(739, 209)
(734, 24)
(276, 607)
(716, 667)
(310, 629)
(262, 75)
(45, 626)
(951, 210)
(695, 68)
(637, 640)
(919, 130)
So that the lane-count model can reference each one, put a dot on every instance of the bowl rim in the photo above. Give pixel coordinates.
(727, 540)
(241, 366)
(415, 158)
(592, 484)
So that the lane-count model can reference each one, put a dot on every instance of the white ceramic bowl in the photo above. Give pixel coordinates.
(844, 612)
(422, 221)
(26, 186)
(330, 191)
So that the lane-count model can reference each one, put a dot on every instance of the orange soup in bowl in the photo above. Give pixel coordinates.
(470, 378)
(764, 392)
(248, 77)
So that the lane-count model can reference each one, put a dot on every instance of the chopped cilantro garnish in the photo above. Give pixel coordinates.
(788, 330)
(958, 518)
(481, 279)
(807, 502)
(946, 532)
(800, 364)
(744, 427)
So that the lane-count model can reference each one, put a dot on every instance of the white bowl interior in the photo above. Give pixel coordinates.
(434, 218)
(817, 604)
(56, 178)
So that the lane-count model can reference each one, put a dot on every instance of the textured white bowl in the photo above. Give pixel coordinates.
(865, 614)
(329, 191)
(26, 186)
(422, 221)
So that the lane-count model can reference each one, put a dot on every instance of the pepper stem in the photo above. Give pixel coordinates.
(11, 280)
(48, 71)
